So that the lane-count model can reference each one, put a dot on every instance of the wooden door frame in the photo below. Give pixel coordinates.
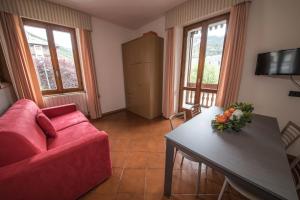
(204, 27)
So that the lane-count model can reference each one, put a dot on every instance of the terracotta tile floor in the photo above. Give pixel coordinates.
(138, 156)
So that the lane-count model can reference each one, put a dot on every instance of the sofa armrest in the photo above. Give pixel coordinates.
(65, 172)
(59, 110)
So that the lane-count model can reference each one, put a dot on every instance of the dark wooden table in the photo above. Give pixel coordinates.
(254, 157)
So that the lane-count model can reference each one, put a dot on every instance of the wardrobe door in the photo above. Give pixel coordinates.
(142, 96)
(129, 86)
(142, 61)
(132, 53)
(148, 44)
(156, 88)
(137, 89)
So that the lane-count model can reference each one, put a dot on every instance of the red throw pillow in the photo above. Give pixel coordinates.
(45, 124)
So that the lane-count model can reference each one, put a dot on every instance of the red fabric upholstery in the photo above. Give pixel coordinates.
(63, 173)
(20, 135)
(67, 120)
(59, 110)
(73, 163)
(45, 124)
(71, 133)
(24, 104)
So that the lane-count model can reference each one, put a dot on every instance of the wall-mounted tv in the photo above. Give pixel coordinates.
(283, 62)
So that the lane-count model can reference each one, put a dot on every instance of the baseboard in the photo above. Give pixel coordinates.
(113, 112)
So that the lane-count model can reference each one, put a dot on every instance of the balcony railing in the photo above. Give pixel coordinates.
(189, 97)
(207, 97)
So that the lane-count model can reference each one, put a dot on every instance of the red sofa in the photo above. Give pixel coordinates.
(33, 166)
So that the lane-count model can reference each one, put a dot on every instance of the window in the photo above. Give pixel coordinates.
(203, 45)
(55, 56)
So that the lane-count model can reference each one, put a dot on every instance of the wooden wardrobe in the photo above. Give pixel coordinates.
(143, 69)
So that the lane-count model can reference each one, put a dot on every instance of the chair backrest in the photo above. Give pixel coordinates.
(193, 111)
(186, 115)
(295, 167)
(290, 134)
(175, 117)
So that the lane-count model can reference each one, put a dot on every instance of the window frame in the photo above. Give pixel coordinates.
(54, 59)
(204, 25)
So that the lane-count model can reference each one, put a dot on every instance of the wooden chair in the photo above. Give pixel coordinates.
(290, 134)
(172, 118)
(196, 109)
(193, 111)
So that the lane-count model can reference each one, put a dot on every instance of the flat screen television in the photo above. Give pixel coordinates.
(283, 62)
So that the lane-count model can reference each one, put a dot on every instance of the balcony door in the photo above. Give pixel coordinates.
(203, 45)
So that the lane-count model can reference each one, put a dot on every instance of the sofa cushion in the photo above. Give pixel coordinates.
(45, 124)
(20, 135)
(71, 134)
(67, 120)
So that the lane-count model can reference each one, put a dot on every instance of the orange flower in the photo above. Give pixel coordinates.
(231, 110)
(227, 113)
(221, 119)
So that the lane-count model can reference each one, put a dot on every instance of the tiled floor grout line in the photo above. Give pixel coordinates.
(120, 178)
(146, 170)
(119, 137)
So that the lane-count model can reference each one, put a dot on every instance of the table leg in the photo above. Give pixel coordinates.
(168, 168)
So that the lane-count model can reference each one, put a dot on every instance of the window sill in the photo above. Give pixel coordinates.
(64, 94)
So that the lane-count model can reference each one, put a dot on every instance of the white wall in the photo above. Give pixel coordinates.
(272, 26)
(7, 98)
(107, 39)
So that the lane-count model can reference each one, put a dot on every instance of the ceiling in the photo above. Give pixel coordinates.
(128, 13)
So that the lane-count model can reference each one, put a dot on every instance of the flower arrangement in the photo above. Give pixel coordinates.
(235, 117)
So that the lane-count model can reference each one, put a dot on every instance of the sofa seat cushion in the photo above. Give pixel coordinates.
(72, 133)
(67, 120)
